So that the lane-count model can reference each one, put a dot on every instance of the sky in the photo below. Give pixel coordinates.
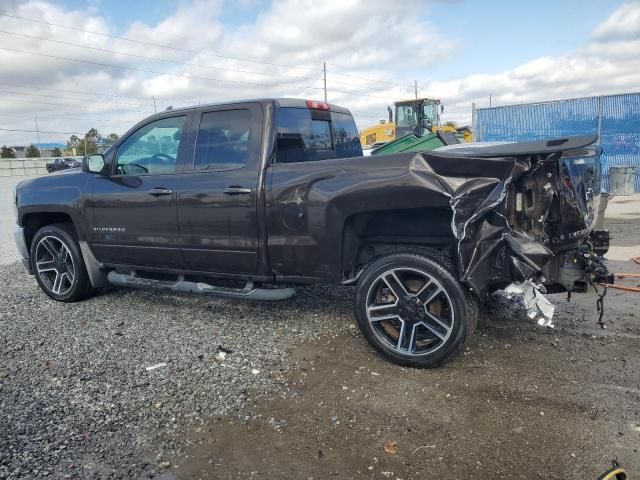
(72, 65)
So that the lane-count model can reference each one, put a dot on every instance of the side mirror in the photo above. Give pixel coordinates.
(93, 163)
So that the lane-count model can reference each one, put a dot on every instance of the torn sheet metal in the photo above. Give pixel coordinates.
(497, 245)
(538, 307)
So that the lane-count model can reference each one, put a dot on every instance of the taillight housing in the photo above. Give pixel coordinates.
(313, 105)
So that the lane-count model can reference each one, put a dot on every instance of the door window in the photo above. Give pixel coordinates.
(406, 116)
(224, 140)
(152, 149)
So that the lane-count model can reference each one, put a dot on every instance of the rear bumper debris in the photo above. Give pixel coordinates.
(538, 307)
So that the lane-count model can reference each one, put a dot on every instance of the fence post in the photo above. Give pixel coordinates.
(474, 121)
(599, 118)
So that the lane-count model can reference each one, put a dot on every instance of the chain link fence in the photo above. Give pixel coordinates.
(615, 118)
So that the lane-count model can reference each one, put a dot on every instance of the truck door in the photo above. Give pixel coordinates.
(135, 205)
(217, 206)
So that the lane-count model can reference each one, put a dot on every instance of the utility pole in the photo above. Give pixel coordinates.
(37, 130)
(155, 110)
(324, 71)
(415, 87)
(489, 100)
(474, 120)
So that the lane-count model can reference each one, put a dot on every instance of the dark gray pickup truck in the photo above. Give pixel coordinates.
(245, 199)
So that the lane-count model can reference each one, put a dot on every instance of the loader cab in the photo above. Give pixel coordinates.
(417, 116)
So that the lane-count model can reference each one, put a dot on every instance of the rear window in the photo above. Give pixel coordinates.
(306, 135)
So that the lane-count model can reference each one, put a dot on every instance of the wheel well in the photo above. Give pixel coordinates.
(32, 222)
(371, 234)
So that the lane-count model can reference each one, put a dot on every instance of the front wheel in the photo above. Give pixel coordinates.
(413, 310)
(58, 265)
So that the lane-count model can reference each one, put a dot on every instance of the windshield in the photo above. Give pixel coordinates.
(430, 113)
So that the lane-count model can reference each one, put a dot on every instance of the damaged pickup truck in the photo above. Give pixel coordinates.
(244, 199)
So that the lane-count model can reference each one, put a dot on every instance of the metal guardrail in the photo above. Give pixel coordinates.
(10, 167)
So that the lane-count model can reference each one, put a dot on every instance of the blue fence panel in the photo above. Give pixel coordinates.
(620, 133)
(618, 116)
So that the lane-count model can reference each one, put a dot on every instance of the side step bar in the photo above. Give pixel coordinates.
(249, 292)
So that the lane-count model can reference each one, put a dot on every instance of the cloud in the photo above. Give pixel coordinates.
(213, 57)
(362, 43)
(622, 24)
(608, 63)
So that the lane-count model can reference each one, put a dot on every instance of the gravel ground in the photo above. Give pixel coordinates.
(227, 398)
(78, 400)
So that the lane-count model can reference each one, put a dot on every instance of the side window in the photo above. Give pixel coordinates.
(152, 149)
(302, 138)
(345, 135)
(405, 115)
(224, 139)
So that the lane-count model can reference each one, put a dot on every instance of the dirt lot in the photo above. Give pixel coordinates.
(522, 402)
(301, 395)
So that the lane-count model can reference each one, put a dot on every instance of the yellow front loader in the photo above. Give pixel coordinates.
(419, 116)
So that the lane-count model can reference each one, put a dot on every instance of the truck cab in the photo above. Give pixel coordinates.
(417, 116)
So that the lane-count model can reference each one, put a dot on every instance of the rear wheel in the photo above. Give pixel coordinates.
(58, 264)
(413, 310)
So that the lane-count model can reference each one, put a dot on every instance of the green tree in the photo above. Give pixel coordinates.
(85, 145)
(451, 123)
(111, 139)
(74, 142)
(32, 151)
(7, 152)
(89, 144)
(56, 152)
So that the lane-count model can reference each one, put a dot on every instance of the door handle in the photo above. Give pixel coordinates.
(158, 191)
(237, 191)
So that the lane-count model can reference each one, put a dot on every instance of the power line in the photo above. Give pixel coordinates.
(152, 44)
(72, 118)
(184, 75)
(157, 59)
(366, 79)
(99, 94)
(39, 131)
(175, 62)
(74, 91)
(155, 72)
(66, 105)
(184, 50)
(69, 98)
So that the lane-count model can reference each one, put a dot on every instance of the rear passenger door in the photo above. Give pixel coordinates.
(217, 199)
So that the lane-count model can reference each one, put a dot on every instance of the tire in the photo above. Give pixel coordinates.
(411, 308)
(58, 265)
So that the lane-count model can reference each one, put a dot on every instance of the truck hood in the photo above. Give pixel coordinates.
(72, 177)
